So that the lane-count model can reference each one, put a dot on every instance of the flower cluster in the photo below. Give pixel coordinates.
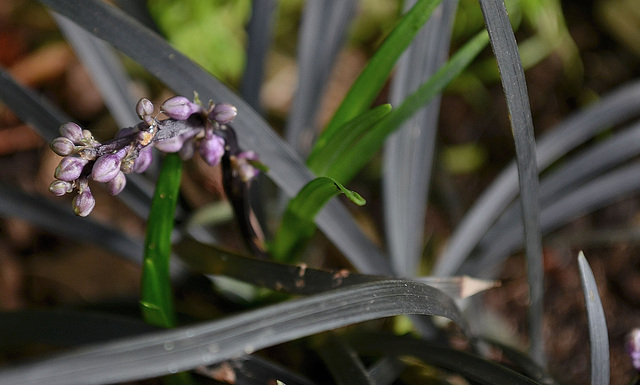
(190, 128)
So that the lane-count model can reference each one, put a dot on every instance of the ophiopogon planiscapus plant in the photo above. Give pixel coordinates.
(189, 128)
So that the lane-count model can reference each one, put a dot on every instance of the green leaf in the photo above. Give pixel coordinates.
(297, 223)
(375, 74)
(350, 162)
(156, 297)
(333, 145)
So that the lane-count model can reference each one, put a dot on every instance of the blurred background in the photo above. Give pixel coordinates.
(573, 51)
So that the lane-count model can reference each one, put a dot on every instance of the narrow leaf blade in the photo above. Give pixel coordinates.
(297, 222)
(372, 78)
(598, 333)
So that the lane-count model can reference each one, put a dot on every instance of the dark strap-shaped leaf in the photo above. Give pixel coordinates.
(514, 85)
(472, 367)
(598, 333)
(185, 348)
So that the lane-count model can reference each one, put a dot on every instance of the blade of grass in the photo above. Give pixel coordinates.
(106, 71)
(386, 370)
(344, 363)
(472, 367)
(60, 220)
(349, 163)
(514, 86)
(523, 363)
(184, 77)
(370, 82)
(583, 200)
(297, 222)
(585, 166)
(260, 30)
(335, 144)
(408, 153)
(184, 348)
(327, 19)
(598, 333)
(612, 109)
(156, 296)
(302, 280)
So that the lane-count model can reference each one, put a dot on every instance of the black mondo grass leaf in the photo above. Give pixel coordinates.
(175, 350)
(300, 279)
(184, 77)
(343, 362)
(505, 48)
(598, 333)
(408, 153)
(612, 109)
(474, 368)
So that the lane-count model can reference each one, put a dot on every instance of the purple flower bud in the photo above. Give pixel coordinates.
(69, 168)
(71, 131)
(83, 203)
(142, 162)
(179, 107)
(211, 149)
(223, 113)
(62, 146)
(116, 185)
(144, 109)
(60, 187)
(108, 166)
(633, 347)
(170, 145)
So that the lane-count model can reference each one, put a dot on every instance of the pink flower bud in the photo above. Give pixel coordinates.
(144, 109)
(63, 146)
(69, 168)
(143, 160)
(71, 131)
(170, 145)
(116, 185)
(83, 203)
(60, 187)
(211, 149)
(179, 108)
(223, 113)
(107, 166)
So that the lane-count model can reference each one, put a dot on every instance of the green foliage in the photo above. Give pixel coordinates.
(156, 297)
(212, 33)
(297, 222)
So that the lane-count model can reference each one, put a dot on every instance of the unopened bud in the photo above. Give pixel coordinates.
(116, 185)
(223, 113)
(179, 107)
(83, 203)
(211, 149)
(145, 109)
(60, 187)
(188, 149)
(142, 162)
(69, 168)
(71, 131)
(170, 145)
(107, 166)
(63, 146)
